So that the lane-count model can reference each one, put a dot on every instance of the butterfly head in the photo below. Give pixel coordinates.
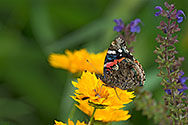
(118, 43)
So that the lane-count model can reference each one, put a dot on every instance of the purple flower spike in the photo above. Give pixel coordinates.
(134, 27)
(160, 10)
(180, 18)
(120, 25)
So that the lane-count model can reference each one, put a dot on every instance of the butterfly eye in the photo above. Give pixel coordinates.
(113, 43)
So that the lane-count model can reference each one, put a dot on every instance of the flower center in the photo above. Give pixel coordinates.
(101, 92)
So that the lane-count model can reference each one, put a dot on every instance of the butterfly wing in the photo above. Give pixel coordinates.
(120, 68)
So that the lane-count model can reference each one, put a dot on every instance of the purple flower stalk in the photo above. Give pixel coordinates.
(134, 27)
(120, 25)
(160, 10)
(170, 65)
(180, 18)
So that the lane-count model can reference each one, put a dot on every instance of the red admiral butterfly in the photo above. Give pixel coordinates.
(121, 69)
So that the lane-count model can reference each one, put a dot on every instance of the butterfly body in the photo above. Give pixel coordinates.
(121, 69)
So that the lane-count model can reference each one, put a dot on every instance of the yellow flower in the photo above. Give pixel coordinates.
(91, 88)
(77, 61)
(70, 123)
(104, 115)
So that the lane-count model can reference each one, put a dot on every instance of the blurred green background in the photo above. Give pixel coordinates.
(34, 93)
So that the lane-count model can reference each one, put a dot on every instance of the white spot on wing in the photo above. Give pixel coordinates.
(120, 50)
(111, 52)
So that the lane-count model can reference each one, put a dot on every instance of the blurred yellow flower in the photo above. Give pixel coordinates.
(77, 61)
(91, 88)
(105, 115)
(69, 123)
(59, 123)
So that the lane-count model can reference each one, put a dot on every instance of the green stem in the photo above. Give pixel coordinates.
(92, 116)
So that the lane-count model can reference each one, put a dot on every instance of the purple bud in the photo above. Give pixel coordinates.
(168, 91)
(160, 10)
(181, 74)
(180, 18)
(183, 79)
(134, 27)
(120, 25)
(184, 87)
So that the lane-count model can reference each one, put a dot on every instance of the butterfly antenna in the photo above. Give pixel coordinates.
(117, 93)
(101, 88)
(93, 66)
(98, 94)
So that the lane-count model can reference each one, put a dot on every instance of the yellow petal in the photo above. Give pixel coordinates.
(80, 123)
(59, 123)
(110, 114)
(70, 123)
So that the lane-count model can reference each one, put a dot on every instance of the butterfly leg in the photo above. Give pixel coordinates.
(117, 93)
